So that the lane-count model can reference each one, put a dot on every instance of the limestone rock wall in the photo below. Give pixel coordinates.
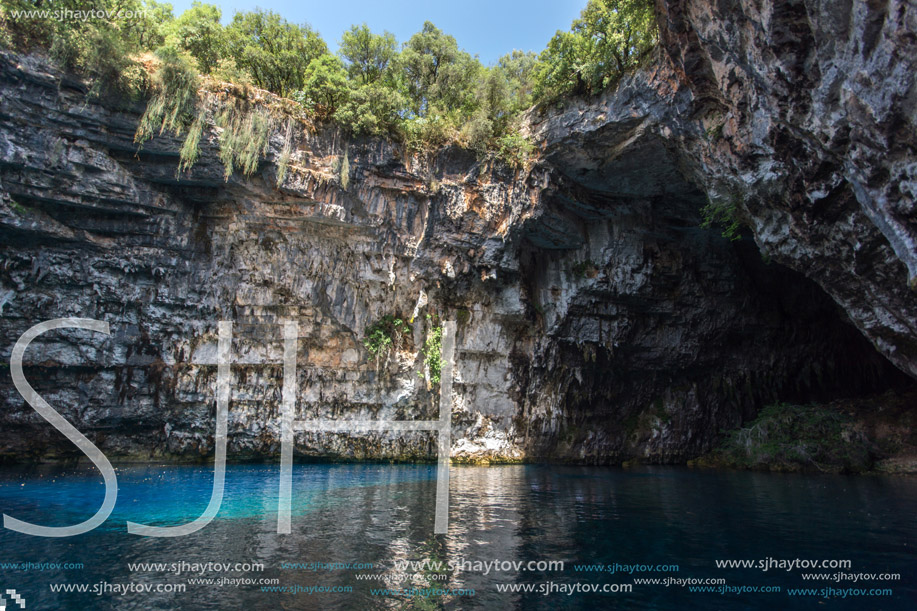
(808, 111)
(597, 320)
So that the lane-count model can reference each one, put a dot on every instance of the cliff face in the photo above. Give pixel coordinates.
(597, 321)
(814, 108)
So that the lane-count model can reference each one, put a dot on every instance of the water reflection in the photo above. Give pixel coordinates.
(383, 514)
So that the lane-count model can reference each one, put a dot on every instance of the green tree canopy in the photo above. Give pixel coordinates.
(148, 30)
(437, 73)
(325, 86)
(373, 109)
(609, 38)
(199, 32)
(368, 55)
(272, 50)
(519, 70)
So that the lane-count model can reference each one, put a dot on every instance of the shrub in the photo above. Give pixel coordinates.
(384, 335)
(433, 352)
(19, 208)
(372, 109)
(432, 131)
(190, 150)
(514, 149)
(25, 33)
(585, 269)
(478, 132)
(227, 70)
(791, 437)
(96, 48)
(725, 215)
(283, 164)
(344, 170)
(246, 129)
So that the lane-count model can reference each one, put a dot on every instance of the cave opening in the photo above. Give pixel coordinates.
(659, 336)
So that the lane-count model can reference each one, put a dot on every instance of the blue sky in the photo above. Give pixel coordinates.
(488, 28)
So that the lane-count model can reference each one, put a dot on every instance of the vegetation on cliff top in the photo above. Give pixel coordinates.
(425, 93)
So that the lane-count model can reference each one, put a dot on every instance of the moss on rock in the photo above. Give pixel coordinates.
(788, 437)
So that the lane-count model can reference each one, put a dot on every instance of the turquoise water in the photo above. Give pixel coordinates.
(380, 515)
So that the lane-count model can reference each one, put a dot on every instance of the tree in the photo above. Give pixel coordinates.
(622, 32)
(326, 85)
(368, 55)
(559, 72)
(97, 48)
(436, 72)
(493, 94)
(273, 51)
(147, 29)
(373, 109)
(199, 32)
(609, 38)
(519, 70)
(502, 92)
(493, 107)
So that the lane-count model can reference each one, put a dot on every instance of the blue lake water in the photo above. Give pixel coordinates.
(381, 515)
